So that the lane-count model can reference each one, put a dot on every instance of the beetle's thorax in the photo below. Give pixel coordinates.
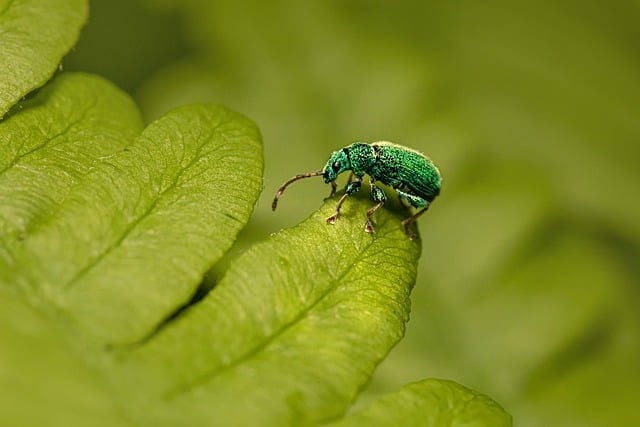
(361, 157)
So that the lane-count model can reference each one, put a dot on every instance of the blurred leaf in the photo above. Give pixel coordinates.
(112, 55)
(34, 36)
(44, 380)
(291, 332)
(550, 309)
(431, 403)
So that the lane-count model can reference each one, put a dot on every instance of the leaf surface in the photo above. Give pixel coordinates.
(104, 233)
(291, 332)
(431, 403)
(53, 140)
(45, 381)
(132, 240)
(34, 36)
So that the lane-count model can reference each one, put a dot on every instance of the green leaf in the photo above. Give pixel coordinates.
(431, 403)
(50, 143)
(106, 237)
(34, 36)
(133, 239)
(43, 380)
(291, 332)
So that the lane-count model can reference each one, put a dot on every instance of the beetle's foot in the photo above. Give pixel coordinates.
(332, 218)
(407, 230)
(368, 227)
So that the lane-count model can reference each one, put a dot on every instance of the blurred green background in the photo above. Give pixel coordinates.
(529, 282)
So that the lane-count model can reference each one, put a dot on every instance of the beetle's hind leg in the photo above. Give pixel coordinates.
(417, 202)
(400, 193)
(403, 202)
(407, 222)
(378, 196)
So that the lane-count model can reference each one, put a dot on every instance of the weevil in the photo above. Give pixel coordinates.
(412, 174)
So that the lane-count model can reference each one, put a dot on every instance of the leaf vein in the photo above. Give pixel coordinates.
(132, 226)
(204, 378)
(49, 141)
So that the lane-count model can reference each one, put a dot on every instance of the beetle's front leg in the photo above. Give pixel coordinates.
(350, 179)
(334, 187)
(378, 196)
(352, 187)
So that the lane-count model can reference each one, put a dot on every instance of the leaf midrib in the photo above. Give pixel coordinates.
(48, 141)
(206, 377)
(132, 226)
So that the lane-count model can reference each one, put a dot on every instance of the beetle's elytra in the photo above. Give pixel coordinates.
(413, 175)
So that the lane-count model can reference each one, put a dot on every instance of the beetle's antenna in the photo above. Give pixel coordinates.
(290, 181)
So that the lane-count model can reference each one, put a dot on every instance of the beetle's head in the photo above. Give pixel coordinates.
(338, 163)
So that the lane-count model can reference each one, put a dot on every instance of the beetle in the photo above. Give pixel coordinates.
(412, 174)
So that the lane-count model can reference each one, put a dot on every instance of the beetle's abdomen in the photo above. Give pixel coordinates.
(402, 168)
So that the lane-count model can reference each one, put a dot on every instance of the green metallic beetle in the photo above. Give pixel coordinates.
(413, 175)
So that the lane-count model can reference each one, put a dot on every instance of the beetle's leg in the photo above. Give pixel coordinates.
(401, 199)
(378, 196)
(334, 187)
(350, 178)
(352, 187)
(417, 202)
(403, 202)
(407, 222)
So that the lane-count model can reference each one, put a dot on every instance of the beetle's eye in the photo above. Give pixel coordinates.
(335, 166)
